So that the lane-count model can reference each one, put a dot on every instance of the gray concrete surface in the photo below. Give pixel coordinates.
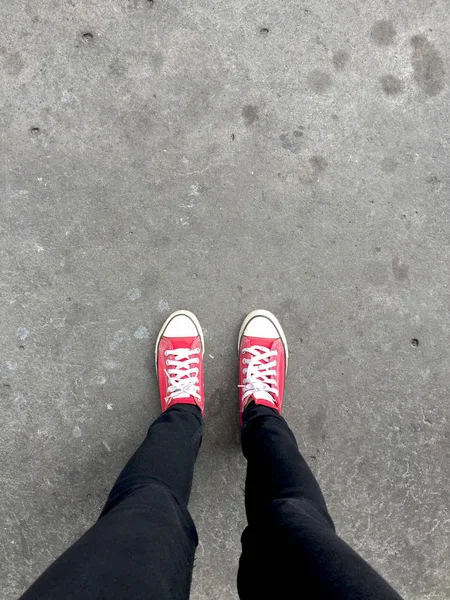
(223, 156)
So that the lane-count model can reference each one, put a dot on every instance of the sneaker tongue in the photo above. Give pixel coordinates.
(258, 341)
(182, 342)
(262, 396)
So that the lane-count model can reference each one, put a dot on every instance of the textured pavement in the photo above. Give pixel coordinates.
(225, 156)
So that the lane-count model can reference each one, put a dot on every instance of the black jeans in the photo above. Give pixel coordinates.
(143, 545)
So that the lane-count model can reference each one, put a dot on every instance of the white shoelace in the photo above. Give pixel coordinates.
(182, 377)
(260, 374)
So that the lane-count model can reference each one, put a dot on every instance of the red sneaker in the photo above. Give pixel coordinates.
(263, 360)
(179, 361)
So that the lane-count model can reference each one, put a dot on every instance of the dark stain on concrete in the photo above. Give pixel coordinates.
(318, 163)
(311, 172)
(12, 62)
(118, 69)
(250, 114)
(391, 85)
(134, 5)
(433, 180)
(340, 59)
(319, 81)
(389, 164)
(157, 61)
(428, 66)
(291, 142)
(317, 424)
(400, 269)
(383, 33)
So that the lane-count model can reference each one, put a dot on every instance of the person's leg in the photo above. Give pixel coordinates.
(290, 548)
(143, 545)
(144, 542)
(275, 468)
(167, 456)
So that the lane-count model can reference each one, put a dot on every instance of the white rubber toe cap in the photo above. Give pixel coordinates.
(181, 326)
(261, 327)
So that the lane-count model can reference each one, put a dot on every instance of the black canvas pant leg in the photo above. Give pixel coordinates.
(143, 545)
(290, 548)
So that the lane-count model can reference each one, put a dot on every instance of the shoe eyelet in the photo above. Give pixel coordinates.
(167, 363)
(198, 350)
(244, 371)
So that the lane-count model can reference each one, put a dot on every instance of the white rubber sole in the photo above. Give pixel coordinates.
(192, 317)
(272, 318)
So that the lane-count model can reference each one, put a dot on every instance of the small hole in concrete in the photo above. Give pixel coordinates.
(87, 37)
(35, 131)
(415, 342)
(264, 31)
(150, 2)
(233, 137)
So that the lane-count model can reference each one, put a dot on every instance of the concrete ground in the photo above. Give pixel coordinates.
(224, 156)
